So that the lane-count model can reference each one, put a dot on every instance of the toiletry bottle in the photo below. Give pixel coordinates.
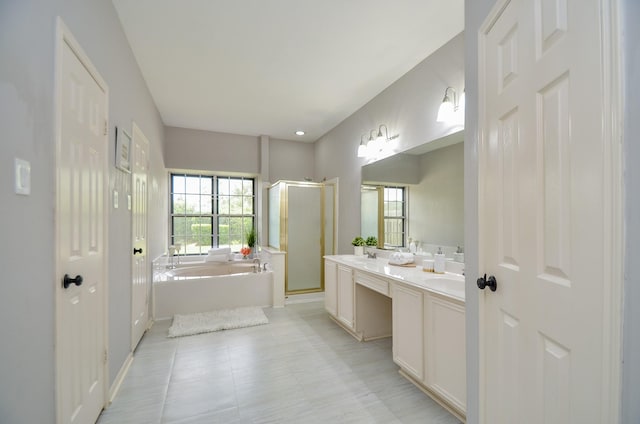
(412, 246)
(438, 262)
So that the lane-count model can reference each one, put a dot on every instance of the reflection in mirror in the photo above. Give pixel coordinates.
(433, 175)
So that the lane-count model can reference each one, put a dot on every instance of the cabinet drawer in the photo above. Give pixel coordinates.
(374, 283)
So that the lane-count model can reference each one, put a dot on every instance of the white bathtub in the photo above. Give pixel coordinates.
(203, 287)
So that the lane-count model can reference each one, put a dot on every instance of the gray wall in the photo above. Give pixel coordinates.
(290, 160)
(27, 40)
(408, 107)
(211, 151)
(631, 347)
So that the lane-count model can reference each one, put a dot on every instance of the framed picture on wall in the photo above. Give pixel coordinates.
(123, 150)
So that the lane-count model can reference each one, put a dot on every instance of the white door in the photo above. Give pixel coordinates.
(140, 288)
(544, 213)
(81, 230)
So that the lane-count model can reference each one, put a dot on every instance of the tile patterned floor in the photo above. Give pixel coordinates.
(299, 368)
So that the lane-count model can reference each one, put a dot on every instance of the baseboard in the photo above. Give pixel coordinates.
(461, 415)
(115, 387)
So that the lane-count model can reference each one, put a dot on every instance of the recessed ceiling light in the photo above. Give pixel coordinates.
(299, 132)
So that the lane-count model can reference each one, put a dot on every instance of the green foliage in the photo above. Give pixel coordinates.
(251, 237)
(358, 241)
(371, 241)
(201, 234)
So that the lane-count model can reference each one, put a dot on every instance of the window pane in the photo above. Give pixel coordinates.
(223, 232)
(223, 186)
(247, 206)
(205, 185)
(247, 187)
(178, 184)
(178, 204)
(223, 205)
(193, 185)
(236, 205)
(193, 204)
(235, 234)
(236, 186)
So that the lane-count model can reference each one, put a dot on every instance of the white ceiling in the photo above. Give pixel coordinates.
(270, 67)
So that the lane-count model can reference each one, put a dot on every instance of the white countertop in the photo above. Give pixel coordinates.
(447, 284)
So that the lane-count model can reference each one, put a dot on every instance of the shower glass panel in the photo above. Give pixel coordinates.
(304, 234)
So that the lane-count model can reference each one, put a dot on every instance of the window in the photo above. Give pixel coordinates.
(394, 216)
(211, 211)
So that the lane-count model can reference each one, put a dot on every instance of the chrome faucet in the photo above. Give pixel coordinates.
(371, 255)
(256, 261)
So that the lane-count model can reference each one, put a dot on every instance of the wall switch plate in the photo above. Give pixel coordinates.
(22, 177)
(129, 201)
(115, 199)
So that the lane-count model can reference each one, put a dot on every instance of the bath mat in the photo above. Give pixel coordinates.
(223, 319)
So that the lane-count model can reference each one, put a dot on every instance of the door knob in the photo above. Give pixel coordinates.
(491, 283)
(137, 250)
(67, 281)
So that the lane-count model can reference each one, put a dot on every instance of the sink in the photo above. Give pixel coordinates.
(355, 259)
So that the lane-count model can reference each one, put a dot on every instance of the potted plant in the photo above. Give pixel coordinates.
(371, 243)
(358, 244)
(251, 240)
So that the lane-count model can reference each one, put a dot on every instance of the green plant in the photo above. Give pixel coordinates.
(251, 237)
(371, 241)
(358, 241)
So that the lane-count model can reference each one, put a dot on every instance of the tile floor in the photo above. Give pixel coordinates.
(300, 368)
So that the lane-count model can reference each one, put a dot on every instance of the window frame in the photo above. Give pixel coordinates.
(214, 216)
(403, 217)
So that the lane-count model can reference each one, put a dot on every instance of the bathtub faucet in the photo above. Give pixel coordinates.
(256, 265)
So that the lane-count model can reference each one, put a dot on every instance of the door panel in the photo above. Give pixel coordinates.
(80, 247)
(542, 217)
(140, 287)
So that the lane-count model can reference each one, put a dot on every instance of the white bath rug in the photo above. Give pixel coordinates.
(223, 319)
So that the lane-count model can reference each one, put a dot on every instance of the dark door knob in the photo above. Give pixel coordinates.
(67, 281)
(137, 250)
(484, 282)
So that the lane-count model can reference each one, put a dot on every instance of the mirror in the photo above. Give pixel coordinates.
(433, 177)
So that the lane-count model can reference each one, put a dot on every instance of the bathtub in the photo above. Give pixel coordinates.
(205, 286)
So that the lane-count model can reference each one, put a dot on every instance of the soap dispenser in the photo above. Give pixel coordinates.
(438, 262)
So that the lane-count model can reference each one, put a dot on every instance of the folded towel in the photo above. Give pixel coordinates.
(219, 250)
(216, 258)
(401, 258)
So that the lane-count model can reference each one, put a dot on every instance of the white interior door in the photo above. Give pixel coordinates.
(81, 231)
(140, 287)
(544, 213)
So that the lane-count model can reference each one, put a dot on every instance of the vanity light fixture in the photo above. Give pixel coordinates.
(378, 142)
(448, 107)
(362, 148)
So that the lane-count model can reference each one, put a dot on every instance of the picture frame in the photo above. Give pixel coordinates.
(123, 150)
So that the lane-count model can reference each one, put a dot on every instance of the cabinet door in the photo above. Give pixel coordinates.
(345, 296)
(408, 347)
(445, 349)
(330, 287)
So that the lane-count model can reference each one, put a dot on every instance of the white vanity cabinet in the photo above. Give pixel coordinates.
(345, 296)
(331, 287)
(408, 331)
(444, 345)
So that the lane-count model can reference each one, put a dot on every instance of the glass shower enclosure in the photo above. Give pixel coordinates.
(302, 224)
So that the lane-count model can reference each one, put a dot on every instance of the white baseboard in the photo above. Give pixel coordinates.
(113, 391)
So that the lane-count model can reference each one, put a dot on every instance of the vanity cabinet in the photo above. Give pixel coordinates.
(345, 296)
(445, 361)
(331, 287)
(408, 330)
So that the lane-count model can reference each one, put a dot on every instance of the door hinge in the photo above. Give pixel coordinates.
(106, 356)
(106, 127)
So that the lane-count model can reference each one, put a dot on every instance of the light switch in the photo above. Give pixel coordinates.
(22, 177)
(129, 201)
(115, 199)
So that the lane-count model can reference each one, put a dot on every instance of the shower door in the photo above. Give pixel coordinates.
(304, 237)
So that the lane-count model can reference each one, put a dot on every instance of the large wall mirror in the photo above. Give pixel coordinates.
(422, 190)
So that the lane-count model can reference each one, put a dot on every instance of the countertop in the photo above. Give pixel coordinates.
(447, 284)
